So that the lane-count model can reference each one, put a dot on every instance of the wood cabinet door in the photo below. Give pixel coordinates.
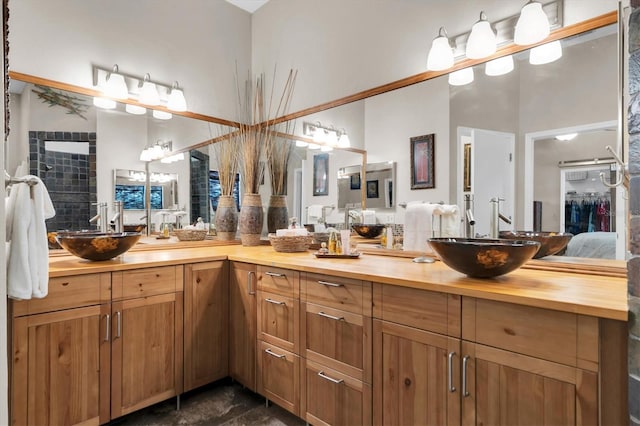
(206, 317)
(333, 398)
(278, 321)
(415, 377)
(279, 376)
(242, 323)
(146, 352)
(504, 388)
(57, 367)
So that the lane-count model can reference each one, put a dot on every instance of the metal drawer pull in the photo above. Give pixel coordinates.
(327, 283)
(249, 290)
(275, 302)
(331, 379)
(450, 368)
(118, 324)
(322, 314)
(274, 274)
(465, 360)
(270, 352)
(107, 334)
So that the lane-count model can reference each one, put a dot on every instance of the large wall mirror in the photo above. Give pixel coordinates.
(379, 183)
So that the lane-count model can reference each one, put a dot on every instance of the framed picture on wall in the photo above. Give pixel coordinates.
(422, 162)
(354, 182)
(372, 189)
(467, 168)
(320, 174)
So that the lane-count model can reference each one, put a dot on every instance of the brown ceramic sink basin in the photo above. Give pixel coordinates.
(550, 242)
(483, 258)
(97, 245)
(368, 231)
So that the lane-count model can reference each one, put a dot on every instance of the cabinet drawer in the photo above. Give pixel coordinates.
(334, 398)
(279, 376)
(336, 338)
(278, 280)
(146, 282)
(278, 321)
(552, 335)
(340, 293)
(68, 292)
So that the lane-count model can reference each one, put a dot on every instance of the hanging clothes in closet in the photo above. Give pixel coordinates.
(587, 213)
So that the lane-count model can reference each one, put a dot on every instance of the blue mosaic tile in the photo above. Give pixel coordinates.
(634, 400)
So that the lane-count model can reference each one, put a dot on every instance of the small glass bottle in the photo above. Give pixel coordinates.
(333, 239)
(338, 246)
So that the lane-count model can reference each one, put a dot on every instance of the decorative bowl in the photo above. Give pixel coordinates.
(550, 242)
(368, 230)
(190, 234)
(97, 245)
(483, 258)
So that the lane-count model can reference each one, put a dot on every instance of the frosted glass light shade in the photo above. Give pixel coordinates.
(162, 115)
(461, 77)
(482, 40)
(176, 101)
(332, 138)
(135, 109)
(146, 155)
(440, 55)
(532, 25)
(116, 87)
(326, 148)
(313, 146)
(149, 94)
(319, 135)
(545, 53)
(499, 66)
(301, 144)
(104, 103)
(343, 141)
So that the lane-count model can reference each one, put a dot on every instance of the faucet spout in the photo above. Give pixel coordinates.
(496, 217)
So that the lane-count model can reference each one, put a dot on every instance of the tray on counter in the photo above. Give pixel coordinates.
(337, 256)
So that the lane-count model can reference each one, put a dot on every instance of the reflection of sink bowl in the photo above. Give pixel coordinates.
(368, 231)
(97, 245)
(483, 258)
(137, 227)
(550, 242)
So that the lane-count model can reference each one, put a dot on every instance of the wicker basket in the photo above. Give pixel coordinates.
(290, 244)
(190, 234)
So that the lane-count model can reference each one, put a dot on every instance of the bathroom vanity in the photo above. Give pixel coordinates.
(375, 340)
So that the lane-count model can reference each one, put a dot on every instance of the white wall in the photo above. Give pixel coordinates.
(199, 43)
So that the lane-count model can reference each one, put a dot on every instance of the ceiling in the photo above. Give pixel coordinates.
(248, 5)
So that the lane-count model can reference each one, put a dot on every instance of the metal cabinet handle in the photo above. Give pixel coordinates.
(270, 352)
(322, 314)
(249, 287)
(331, 379)
(465, 361)
(118, 324)
(107, 334)
(275, 302)
(327, 283)
(450, 368)
(274, 274)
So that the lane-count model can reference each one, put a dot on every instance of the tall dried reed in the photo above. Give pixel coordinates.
(227, 154)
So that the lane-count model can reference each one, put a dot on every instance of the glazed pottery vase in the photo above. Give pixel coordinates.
(277, 214)
(251, 219)
(226, 218)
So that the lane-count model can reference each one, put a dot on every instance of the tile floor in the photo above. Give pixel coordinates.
(221, 403)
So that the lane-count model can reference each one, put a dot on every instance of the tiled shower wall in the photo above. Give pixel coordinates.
(633, 265)
(70, 178)
(199, 174)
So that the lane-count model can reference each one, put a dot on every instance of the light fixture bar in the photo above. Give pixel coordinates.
(505, 28)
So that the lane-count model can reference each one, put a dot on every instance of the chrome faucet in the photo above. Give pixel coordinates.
(348, 210)
(469, 220)
(495, 217)
(118, 219)
(101, 216)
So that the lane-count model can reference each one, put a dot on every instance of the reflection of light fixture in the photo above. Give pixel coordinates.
(173, 158)
(461, 77)
(162, 115)
(324, 136)
(566, 137)
(301, 144)
(148, 92)
(156, 151)
(343, 140)
(135, 109)
(313, 146)
(176, 101)
(482, 40)
(532, 26)
(440, 55)
(326, 148)
(499, 66)
(545, 53)
(104, 103)
(116, 87)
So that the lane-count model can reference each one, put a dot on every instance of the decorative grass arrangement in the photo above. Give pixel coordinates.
(227, 154)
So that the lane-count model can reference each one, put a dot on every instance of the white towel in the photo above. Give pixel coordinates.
(314, 211)
(449, 219)
(369, 217)
(417, 226)
(28, 254)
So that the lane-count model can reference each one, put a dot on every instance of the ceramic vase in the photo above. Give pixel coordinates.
(226, 218)
(251, 219)
(277, 214)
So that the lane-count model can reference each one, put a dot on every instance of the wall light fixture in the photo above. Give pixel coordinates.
(325, 137)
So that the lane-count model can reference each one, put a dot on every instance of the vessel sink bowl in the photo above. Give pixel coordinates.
(484, 258)
(550, 242)
(368, 231)
(92, 245)
(134, 227)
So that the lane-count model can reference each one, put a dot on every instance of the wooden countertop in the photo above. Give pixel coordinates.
(588, 294)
